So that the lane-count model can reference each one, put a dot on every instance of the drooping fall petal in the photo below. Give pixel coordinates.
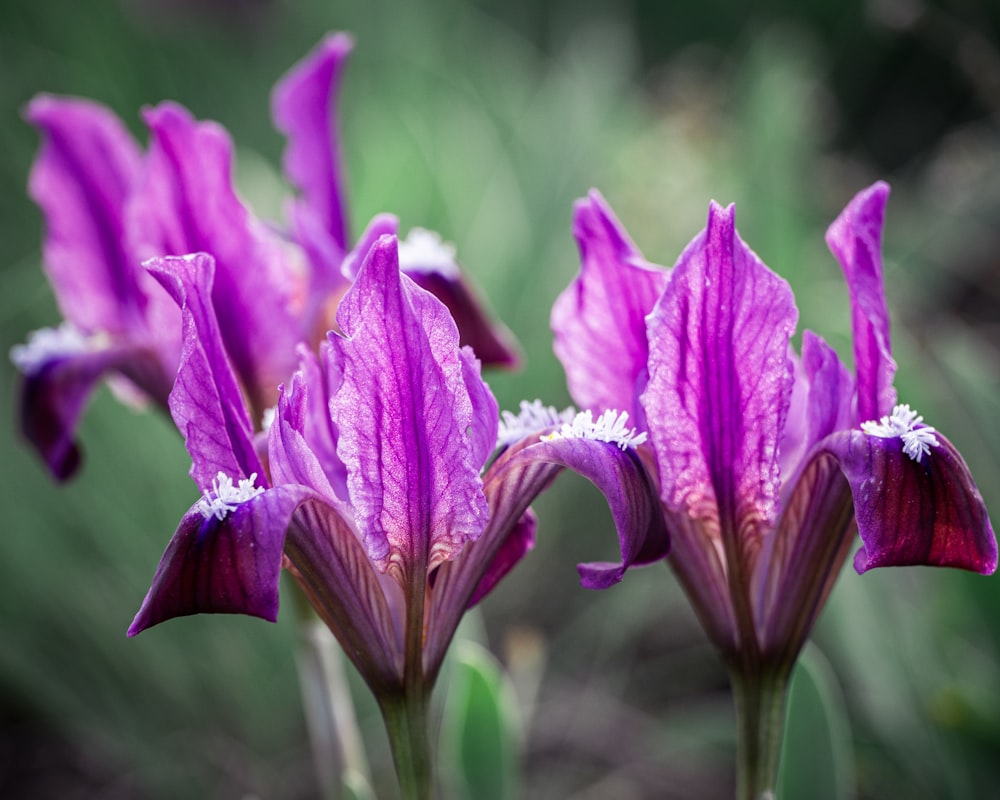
(512, 482)
(914, 511)
(223, 566)
(54, 392)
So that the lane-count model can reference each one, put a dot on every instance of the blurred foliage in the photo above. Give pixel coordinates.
(484, 120)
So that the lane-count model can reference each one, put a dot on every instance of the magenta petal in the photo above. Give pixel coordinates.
(914, 512)
(855, 239)
(346, 592)
(187, 204)
(719, 385)
(599, 320)
(822, 402)
(81, 178)
(302, 440)
(512, 482)
(304, 108)
(206, 403)
(518, 543)
(404, 414)
(53, 396)
(227, 566)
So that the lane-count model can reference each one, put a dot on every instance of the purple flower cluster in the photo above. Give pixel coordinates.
(332, 402)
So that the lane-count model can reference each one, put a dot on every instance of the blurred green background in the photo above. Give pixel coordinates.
(484, 120)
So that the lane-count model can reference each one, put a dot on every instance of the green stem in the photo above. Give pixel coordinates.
(759, 694)
(406, 723)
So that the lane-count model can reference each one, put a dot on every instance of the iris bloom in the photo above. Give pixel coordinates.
(372, 489)
(768, 461)
(108, 206)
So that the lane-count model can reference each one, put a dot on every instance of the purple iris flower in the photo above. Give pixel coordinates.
(387, 487)
(767, 460)
(109, 206)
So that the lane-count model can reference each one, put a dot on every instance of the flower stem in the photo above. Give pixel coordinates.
(405, 718)
(759, 693)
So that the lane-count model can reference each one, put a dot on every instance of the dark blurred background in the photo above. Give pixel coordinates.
(484, 120)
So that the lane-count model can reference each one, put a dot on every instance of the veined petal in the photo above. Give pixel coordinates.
(222, 566)
(86, 167)
(330, 563)
(302, 445)
(803, 558)
(515, 546)
(206, 403)
(57, 385)
(719, 387)
(186, 204)
(485, 411)
(855, 239)
(599, 320)
(519, 474)
(304, 106)
(914, 511)
(404, 414)
(821, 403)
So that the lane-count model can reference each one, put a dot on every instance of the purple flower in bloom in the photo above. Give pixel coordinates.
(382, 488)
(767, 460)
(109, 206)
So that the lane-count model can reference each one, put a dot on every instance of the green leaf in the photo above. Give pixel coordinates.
(480, 739)
(815, 755)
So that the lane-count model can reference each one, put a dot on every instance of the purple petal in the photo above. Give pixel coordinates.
(302, 440)
(304, 108)
(518, 543)
(599, 321)
(821, 404)
(54, 393)
(914, 512)
(227, 566)
(485, 412)
(330, 563)
(380, 225)
(81, 178)
(404, 415)
(855, 239)
(206, 403)
(512, 482)
(803, 558)
(491, 341)
(719, 386)
(186, 204)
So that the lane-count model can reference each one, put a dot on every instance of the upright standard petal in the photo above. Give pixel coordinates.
(304, 108)
(599, 321)
(187, 204)
(720, 383)
(206, 403)
(81, 178)
(404, 415)
(855, 238)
